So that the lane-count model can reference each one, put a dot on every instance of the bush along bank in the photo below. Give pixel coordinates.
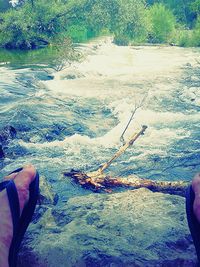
(31, 24)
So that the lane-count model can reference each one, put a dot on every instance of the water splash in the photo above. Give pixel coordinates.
(75, 120)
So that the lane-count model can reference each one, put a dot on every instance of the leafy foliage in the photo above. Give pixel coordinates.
(121, 40)
(162, 23)
(195, 7)
(35, 23)
(196, 35)
(31, 25)
(64, 55)
(180, 8)
(130, 20)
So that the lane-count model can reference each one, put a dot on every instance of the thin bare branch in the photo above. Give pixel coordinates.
(137, 106)
(122, 149)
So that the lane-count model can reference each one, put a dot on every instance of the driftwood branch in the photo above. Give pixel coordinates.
(131, 118)
(107, 183)
(122, 149)
(137, 106)
(98, 181)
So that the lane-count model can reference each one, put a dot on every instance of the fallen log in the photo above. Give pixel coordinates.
(107, 183)
(98, 181)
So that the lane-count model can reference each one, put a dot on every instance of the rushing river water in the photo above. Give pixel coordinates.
(74, 118)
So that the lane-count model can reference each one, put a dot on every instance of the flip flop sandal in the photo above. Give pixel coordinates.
(20, 223)
(193, 223)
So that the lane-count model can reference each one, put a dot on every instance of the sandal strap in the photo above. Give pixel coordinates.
(3, 185)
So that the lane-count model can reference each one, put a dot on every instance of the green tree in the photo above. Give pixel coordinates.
(124, 18)
(180, 8)
(162, 23)
(131, 19)
(195, 6)
(196, 34)
(33, 23)
(95, 15)
(28, 26)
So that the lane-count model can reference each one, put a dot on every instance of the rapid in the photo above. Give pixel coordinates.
(74, 118)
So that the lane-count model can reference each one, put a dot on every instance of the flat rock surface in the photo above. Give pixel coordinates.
(132, 228)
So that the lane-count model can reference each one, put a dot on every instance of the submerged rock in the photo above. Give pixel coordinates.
(132, 228)
(72, 76)
(2, 155)
(6, 134)
(47, 196)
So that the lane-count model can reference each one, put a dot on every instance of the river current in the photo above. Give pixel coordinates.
(74, 118)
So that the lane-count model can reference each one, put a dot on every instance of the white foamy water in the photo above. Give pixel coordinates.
(121, 76)
(7, 77)
(93, 102)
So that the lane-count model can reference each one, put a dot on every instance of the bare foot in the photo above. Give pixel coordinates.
(22, 181)
(196, 189)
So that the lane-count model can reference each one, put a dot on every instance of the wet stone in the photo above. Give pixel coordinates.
(47, 195)
(2, 155)
(134, 228)
(7, 133)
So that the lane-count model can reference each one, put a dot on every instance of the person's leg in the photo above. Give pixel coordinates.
(196, 189)
(22, 181)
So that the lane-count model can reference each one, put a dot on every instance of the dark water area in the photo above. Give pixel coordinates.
(63, 124)
(21, 59)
